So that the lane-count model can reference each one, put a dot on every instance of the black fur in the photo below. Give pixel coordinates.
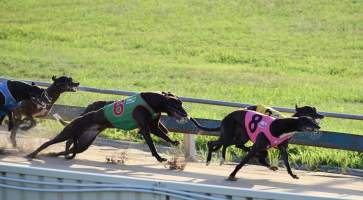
(232, 132)
(21, 91)
(29, 109)
(82, 131)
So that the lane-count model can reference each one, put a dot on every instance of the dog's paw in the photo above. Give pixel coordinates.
(221, 162)
(273, 168)
(294, 176)
(69, 157)
(25, 128)
(52, 154)
(31, 156)
(14, 144)
(232, 178)
(160, 159)
(207, 163)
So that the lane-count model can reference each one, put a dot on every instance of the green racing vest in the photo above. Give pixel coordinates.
(120, 113)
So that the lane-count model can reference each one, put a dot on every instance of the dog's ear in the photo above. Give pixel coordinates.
(33, 84)
(54, 78)
(296, 107)
(171, 94)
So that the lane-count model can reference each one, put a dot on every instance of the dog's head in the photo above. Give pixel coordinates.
(307, 124)
(65, 83)
(174, 106)
(308, 111)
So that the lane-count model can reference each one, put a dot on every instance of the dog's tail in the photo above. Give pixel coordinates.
(203, 127)
(60, 120)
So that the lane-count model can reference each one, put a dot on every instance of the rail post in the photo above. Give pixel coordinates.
(190, 152)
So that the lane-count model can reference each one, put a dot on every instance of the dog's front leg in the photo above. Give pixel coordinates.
(11, 121)
(161, 131)
(14, 130)
(143, 118)
(145, 132)
(262, 156)
(285, 157)
(2, 119)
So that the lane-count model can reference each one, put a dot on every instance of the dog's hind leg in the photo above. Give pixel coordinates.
(213, 146)
(224, 149)
(229, 129)
(76, 127)
(59, 138)
(65, 152)
(261, 143)
(262, 156)
(71, 150)
(83, 142)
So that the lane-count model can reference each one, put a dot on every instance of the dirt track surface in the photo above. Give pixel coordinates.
(140, 163)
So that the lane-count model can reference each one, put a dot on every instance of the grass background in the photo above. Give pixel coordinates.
(274, 52)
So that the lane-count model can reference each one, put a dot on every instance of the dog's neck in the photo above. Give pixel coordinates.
(281, 126)
(155, 100)
(54, 92)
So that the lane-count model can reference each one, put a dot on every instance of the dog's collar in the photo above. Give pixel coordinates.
(40, 103)
(46, 96)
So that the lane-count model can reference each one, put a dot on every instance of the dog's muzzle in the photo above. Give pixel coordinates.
(73, 87)
(312, 129)
(177, 113)
(317, 120)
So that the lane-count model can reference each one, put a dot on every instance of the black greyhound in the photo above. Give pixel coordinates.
(234, 139)
(143, 112)
(30, 110)
(13, 92)
(234, 131)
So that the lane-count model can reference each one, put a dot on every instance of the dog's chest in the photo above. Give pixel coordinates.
(42, 111)
(257, 123)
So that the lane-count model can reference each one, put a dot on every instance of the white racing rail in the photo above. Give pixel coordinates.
(196, 100)
(19, 182)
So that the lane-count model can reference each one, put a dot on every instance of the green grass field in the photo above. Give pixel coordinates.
(274, 52)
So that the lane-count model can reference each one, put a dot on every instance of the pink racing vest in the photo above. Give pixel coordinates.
(256, 123)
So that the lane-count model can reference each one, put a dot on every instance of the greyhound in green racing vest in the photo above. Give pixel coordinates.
(140, 111)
